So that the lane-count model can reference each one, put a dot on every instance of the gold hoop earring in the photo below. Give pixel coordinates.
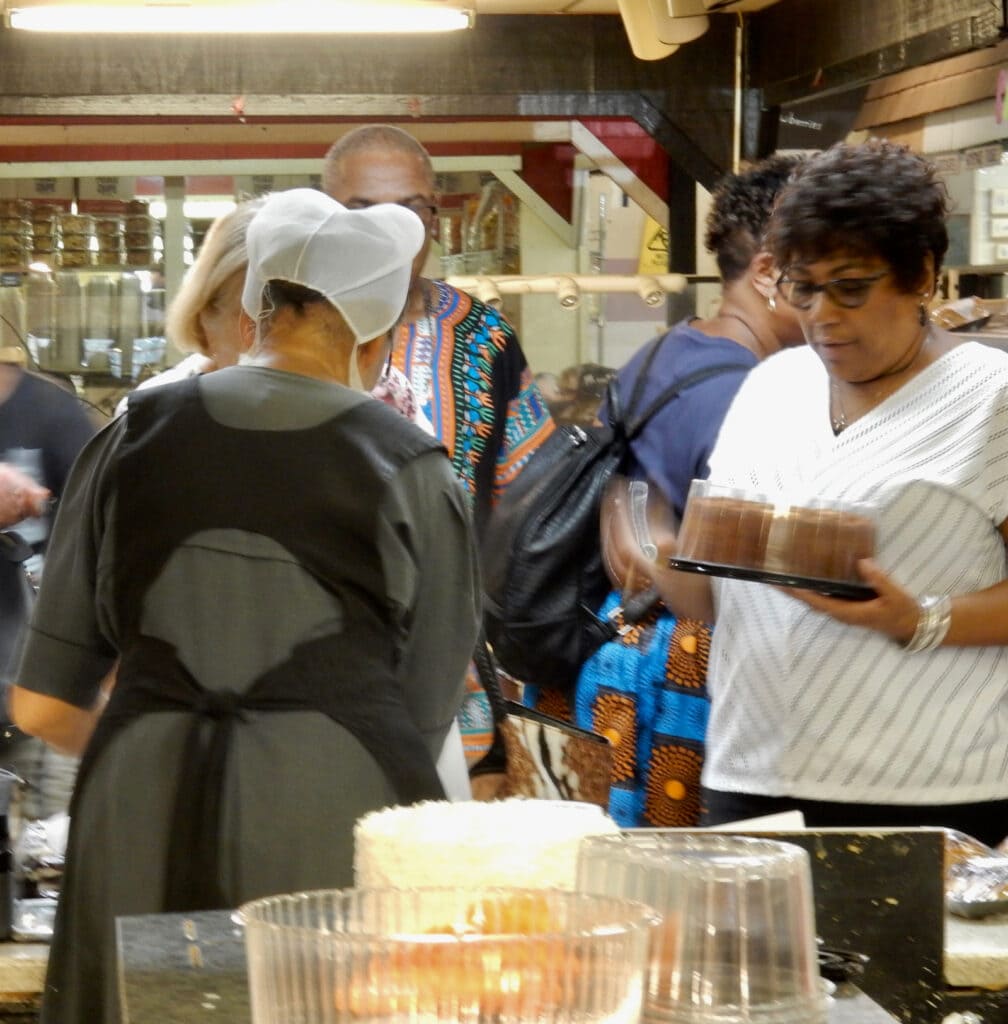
(771, 303)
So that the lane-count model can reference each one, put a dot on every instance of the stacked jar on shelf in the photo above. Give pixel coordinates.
(111, 232)
(47, 242)
(144, 247)
(80, 243)
(75, 298)
(15, 234)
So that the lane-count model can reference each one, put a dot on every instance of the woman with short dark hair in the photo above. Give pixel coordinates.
(879, 200)
(894, 710)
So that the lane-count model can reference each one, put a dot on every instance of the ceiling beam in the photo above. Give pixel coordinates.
(542, 209)
(507, 68)
(17, 132)
(607, 162)
(804, 48)
(190, 168)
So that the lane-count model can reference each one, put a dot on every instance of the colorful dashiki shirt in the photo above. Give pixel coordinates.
(646, 692)
(471, 379)
(472, 382)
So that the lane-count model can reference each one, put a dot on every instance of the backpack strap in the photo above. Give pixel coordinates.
(614, 407)
(633, 429)
(641, 380)
(617, 420)
(494, 761)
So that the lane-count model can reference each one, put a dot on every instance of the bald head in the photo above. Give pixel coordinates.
(368, 143)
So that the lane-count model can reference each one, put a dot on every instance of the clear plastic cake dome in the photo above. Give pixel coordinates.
(737, 943)
(812, 542)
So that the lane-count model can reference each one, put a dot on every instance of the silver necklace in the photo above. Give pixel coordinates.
(759, 353)
(838, 419)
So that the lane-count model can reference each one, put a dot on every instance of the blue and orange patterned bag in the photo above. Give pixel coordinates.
(646, 692)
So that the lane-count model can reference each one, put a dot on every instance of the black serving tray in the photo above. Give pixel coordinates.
(831, 588)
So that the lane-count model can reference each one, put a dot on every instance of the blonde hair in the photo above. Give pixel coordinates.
(222, 255)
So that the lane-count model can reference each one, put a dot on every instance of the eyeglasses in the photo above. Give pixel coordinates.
(423, 208)
(848, 292)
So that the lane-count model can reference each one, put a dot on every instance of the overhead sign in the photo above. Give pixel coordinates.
(107, 187)
(817, 122)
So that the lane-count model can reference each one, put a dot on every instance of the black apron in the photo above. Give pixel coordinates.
(315, 492)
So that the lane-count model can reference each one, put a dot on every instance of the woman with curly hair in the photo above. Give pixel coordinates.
(645, 690)
(748, 326)
(894, 710)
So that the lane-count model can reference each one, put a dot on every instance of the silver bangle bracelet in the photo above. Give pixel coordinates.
(932, 624)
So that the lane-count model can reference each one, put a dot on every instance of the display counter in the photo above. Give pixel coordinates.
(176, 968)
(168, 975)
(878, 893)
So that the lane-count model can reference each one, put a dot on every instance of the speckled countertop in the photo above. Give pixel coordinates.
(182, 969)
(190, 969)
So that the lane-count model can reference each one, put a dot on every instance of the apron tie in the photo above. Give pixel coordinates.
(153, 680)
(219, 704)
(195, 827)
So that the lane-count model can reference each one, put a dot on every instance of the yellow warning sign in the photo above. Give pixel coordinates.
(654, 253)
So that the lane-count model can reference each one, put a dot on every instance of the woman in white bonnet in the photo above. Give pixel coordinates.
(284, 569)
(204, 318)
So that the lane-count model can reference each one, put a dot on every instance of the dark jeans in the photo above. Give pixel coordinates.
(987, 821)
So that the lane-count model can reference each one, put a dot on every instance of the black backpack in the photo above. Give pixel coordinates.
(543, 575)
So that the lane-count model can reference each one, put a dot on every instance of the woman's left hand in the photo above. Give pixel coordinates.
(895, 612)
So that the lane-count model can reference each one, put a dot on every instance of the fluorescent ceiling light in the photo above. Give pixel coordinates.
(300, 16)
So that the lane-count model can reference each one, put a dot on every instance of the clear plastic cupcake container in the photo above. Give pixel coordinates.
(737, 944)
(817, 539)
(447, 955)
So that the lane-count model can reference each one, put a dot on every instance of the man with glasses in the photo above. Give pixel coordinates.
(461, 356)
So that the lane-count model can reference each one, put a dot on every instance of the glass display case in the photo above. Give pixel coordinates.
(88, 264)
(82, 288)
(105, 323)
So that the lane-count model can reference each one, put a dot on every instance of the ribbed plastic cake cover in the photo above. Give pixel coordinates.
(738, 942)
(447, 955)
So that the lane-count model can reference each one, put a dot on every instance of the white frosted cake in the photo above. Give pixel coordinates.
(517, 842)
